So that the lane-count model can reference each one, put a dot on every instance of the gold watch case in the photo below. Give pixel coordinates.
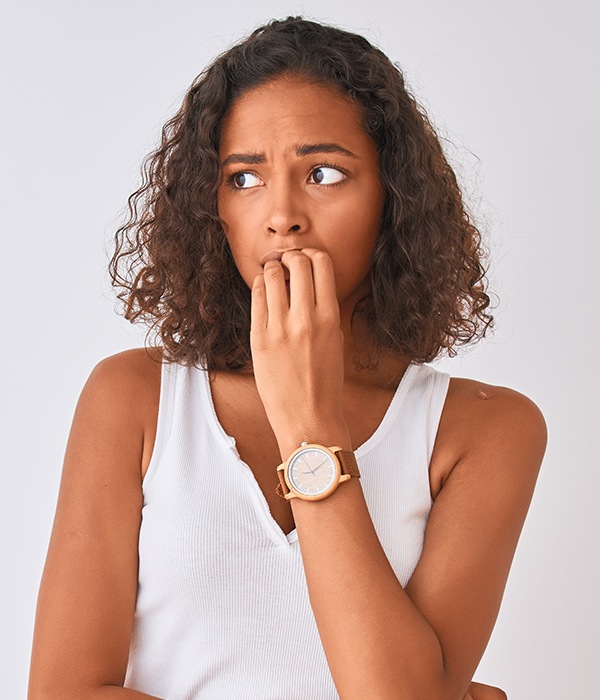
(299, 477)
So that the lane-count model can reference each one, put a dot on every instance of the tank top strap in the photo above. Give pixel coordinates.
(172, 380)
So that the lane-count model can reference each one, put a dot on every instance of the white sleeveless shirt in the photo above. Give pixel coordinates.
(222, 607)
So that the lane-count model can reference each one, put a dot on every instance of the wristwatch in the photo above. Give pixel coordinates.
(313, 472)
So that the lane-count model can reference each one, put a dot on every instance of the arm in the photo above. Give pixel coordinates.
(425, 641)
(87, 594)
(382, 641)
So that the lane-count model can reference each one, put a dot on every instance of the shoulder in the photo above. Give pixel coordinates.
(491, 440)
(481, 419)
(135, 364)
(88, 590)
(494, 409)
(127, 384)
(127, 373)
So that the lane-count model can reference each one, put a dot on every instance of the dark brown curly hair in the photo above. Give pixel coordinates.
(172, 260)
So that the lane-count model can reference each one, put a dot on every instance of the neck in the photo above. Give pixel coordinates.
(363, 364)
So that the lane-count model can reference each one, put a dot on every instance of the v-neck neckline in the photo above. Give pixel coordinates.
(369, 444)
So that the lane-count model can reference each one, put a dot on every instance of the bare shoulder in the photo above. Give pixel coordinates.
(489, 450)
(136, 368)
(494, 409)
(480, 418)
(88, 590)
(131, 379)
(128, 384)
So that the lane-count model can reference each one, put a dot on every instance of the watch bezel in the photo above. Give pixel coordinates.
(332, 486)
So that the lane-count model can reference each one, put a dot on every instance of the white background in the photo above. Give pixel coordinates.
(85, 89)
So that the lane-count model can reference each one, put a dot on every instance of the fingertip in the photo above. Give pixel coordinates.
(318, 256)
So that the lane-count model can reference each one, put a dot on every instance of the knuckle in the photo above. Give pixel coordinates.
(258, 342)
(331, 318)
(273, 273)
(296, 259)
(301, 259)
(322, 258)
(279, 335)
(304, 327)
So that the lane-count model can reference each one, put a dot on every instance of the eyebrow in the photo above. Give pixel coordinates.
(302, 150)
(308, 149)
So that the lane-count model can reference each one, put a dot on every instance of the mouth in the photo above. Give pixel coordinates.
(276, 255)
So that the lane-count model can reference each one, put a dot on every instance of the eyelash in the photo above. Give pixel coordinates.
(334, 167)
(232, 176)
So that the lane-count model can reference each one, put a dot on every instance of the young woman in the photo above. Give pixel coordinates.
(281, 499)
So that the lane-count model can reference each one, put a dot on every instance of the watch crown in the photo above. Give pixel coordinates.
(303, 443)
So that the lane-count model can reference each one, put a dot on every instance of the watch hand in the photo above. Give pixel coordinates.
(322, 463)
(309, 469)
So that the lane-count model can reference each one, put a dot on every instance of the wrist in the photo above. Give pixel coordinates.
(290, 444)
(313, 471)
(325, 435)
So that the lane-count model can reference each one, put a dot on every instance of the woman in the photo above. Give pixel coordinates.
(282, 500)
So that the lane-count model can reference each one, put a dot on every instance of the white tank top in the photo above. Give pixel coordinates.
(222, 607)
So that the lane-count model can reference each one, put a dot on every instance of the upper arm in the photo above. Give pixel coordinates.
(474, 526)
(88, 589)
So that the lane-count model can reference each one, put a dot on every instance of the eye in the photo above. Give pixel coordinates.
(327, 175)
(243, 180)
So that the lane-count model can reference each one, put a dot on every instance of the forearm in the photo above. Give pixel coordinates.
(377, 643)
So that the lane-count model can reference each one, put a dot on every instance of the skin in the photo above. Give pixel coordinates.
(486, 458)
(301, 346)
(282, 205)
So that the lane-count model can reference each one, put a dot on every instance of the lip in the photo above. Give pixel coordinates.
(276, 254)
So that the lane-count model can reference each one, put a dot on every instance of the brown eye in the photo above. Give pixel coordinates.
(244, 180)
(325, 175)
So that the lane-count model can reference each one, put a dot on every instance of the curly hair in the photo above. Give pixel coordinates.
(172, 260)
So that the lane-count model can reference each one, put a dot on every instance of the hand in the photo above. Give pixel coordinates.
(480, 691)
(297, 344)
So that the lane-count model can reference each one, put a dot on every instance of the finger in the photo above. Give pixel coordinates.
(324, 281)
(258, 304)
(276, 293)
(302, 291)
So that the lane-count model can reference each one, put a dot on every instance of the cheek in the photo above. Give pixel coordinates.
(224, 211)
(238, 222)
(357, 228)
(354, 250)
(230, 223)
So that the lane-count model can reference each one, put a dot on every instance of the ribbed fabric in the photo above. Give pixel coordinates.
(222, 608)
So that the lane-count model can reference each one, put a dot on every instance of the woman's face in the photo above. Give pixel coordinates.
(300, 171)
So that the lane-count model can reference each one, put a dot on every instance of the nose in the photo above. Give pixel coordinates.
(286, 212)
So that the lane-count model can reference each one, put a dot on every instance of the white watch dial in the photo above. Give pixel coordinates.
(312, 471)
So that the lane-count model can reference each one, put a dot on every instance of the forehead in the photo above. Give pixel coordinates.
(291, 110)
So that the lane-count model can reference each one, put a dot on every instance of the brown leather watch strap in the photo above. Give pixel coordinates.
(282, 488)
(348, 465)
(348, 462)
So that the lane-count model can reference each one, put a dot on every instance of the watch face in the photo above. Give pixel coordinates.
(312, 471)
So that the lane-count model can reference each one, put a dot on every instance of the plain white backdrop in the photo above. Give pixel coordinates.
(512, 86)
